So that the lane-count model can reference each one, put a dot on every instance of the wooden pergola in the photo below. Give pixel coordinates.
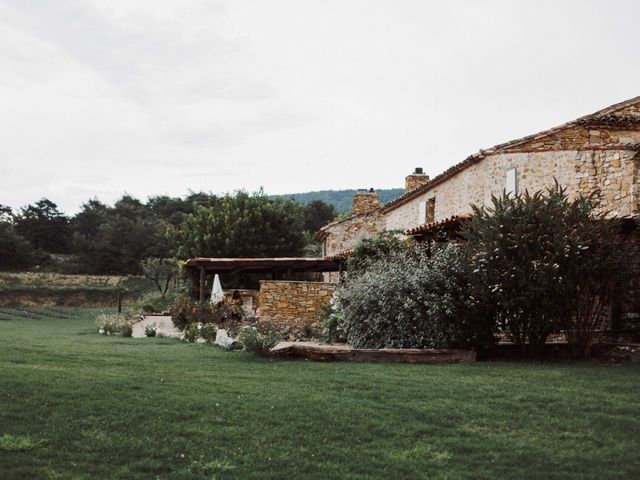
(275, 267)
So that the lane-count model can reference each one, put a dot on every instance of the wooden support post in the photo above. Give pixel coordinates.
(119, 301)
(203, 278)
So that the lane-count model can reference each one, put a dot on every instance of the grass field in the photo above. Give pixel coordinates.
(74, 404)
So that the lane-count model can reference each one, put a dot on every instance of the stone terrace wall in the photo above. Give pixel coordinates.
(293, 303)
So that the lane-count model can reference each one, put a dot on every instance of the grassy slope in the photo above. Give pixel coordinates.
(55, 288)
(109, 407)
(47, 280)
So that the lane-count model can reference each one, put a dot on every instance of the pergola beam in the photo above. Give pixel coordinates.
(275, 267)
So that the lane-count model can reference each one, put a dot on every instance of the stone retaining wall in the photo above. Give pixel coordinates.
(293, 303)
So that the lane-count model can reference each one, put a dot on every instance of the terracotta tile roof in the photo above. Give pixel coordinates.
(343, 255)
(477, 157)
(439, 226)
(610, 121)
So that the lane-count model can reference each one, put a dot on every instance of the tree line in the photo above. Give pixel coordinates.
(115, 239)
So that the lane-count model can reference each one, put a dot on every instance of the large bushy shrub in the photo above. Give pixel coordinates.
(409, 300)
(544, 263)
(370, 250)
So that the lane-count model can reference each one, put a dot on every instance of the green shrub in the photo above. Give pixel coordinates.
(180, 310)
(543, 263)
(151, 330)
(186, 312)
(208, 331)
(369, 250)
(261, 338)
(331, 322)
(126, 330)
(332, 328)
(114, 324)
(408, 300)
(190, 333)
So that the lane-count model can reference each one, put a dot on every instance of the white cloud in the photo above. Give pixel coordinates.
(150, 97)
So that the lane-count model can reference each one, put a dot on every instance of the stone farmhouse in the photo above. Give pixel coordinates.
(595, 154)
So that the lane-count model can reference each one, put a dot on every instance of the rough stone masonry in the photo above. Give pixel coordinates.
(294, 303)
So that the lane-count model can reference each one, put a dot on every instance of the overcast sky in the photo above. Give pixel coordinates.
(99, 98)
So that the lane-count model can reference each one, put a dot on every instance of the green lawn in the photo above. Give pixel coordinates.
(74, 404)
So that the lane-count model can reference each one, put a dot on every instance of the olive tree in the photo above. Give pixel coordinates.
(161, 271)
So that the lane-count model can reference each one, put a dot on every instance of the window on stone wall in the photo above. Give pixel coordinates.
(511, 186)
(431, 209)
(422, 213)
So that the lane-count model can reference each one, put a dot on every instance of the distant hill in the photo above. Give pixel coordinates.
(341, 199)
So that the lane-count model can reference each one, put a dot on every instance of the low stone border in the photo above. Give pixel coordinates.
(344, 353)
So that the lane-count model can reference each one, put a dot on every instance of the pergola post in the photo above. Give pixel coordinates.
(203, 277)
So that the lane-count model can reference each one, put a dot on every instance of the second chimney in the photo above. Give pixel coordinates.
(365, 201)
(415, 180)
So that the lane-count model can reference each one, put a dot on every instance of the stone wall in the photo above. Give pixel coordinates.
(365, 202)
(344, 235)
(415, 180)
(294, 303)
(614, 173)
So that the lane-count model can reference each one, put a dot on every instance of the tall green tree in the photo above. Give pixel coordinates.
(317, 214)
(44, 226)
(242, 225)
(15, 251)
(114, 240)
(86, 223)
(6, 213)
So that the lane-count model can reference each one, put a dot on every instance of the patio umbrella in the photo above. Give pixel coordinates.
(217, 295)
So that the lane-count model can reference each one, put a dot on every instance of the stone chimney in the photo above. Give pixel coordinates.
(365, 201)
(416, 179)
